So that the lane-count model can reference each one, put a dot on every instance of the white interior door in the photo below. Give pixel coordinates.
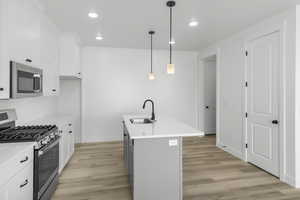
(262, 107)
(210, 96)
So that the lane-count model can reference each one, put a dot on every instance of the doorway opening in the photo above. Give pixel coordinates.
(210, 94)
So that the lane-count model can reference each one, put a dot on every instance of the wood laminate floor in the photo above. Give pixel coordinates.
(96, 172)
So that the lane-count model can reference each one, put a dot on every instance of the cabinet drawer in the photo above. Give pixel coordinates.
(16, 164)
(21, 185)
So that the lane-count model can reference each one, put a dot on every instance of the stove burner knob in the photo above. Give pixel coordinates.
(44, 142)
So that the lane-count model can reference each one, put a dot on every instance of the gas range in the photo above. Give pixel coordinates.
(46, 151)
(43, 135)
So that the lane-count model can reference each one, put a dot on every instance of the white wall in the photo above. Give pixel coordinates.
(115, 82)
(69, 103)
(231, 72)
(30, 109)
(296, 79)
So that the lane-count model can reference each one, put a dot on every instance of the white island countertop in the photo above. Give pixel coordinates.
(162, 127)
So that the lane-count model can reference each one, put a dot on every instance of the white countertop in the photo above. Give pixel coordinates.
(9, 150)
(163, 127)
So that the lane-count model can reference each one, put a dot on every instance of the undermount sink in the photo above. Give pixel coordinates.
(141, 121)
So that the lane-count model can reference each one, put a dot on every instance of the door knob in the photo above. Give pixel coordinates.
(275, 122)
(207, 107)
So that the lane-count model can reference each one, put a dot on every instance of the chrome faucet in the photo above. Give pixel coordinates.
(144, 105)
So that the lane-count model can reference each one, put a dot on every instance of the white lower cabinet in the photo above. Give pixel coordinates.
(3, 194)
(21, 186)
(67, 144)
(16, 182)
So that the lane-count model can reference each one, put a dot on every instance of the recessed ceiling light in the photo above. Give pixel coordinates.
(99, 37)
(193, 23)
(93, 15)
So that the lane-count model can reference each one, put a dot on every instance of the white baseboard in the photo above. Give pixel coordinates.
(233, 152)
(290, 180)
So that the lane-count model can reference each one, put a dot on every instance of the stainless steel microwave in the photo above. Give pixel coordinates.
(25, 81)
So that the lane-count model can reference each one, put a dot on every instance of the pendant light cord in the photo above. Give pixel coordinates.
(171, 14)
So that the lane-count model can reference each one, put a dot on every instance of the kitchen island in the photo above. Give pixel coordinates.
(153, 156)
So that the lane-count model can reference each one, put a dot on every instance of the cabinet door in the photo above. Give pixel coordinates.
(4, 61)
(71, 143)
(131, 163)
(66, 146)
(3, 193)
(24, 31)
(63, 147)
(70, 56)
(21, 186)
(125, 145)
(50, 57)
(61, 151)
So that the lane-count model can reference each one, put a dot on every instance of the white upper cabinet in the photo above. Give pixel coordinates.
(50, 56)
(23, 26)
(4, 61)
(70, 56)
(19, 37)
(28, 36)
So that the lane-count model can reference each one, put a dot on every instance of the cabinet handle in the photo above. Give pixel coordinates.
(70, 131)
(28, 60)
(24, 184)
(26, 159)
(1, 89)
(70, 124)
(53, 90)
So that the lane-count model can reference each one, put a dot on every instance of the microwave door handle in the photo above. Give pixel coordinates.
(37, 76)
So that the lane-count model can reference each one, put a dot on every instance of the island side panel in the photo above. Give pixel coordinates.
(158, 169)
(125, 145)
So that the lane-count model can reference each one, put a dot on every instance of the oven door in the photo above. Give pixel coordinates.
(26, 81)
(46, 167)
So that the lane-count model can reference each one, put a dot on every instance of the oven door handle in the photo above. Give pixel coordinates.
(47, 148)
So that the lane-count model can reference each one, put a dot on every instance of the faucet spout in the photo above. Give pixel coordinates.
(153, 114)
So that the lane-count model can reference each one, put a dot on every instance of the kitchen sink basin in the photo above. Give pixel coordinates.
(141, 121)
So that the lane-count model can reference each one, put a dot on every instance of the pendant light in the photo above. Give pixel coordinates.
(171, 66)
(151, 74)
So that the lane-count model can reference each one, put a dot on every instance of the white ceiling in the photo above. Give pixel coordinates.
(125, 23)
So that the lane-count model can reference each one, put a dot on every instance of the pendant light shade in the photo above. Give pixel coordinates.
(151, 75)
(171, 66)
(171, 69)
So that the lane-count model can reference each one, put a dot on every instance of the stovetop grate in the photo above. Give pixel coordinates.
(25, 133)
